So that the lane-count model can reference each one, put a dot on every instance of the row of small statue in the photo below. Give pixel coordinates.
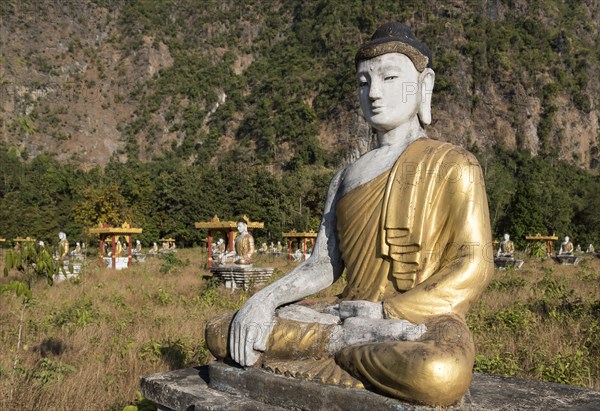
(507, 248)
(271, 249)
(165, 247)
(121, 248)
(62, 249)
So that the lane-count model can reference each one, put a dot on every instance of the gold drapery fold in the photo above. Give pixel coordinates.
(418, 236)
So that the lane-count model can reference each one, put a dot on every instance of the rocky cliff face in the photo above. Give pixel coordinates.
(66, 84)
(72, 73)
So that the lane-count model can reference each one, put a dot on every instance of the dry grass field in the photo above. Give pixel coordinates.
(88, 341)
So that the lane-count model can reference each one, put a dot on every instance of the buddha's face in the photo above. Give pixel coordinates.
(506, 237)
(242, 228)
(388, 90)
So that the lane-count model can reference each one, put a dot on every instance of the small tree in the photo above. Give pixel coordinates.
(31, 262)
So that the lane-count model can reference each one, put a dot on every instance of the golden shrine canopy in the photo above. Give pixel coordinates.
(229, 227)
(540, 237)
(125, 229)
(216, 224)
(296, 234)
(24, 239)
(547, 238)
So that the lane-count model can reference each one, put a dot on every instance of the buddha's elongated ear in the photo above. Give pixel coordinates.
(426, 80)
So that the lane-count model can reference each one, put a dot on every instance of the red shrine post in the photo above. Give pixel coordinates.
(300, 238)
(228, 228)
(105, 231)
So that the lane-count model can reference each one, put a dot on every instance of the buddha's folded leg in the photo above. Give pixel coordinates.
(435, 370)
(216, 335)
(289, 339)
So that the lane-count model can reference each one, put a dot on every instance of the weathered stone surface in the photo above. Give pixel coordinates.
(364, 309)
(187, 390)
(567, 259)
(242, 276)
(506, 262)
(300, 313)
(232, 388)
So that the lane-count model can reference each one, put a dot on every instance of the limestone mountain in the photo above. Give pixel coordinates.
(272, 81)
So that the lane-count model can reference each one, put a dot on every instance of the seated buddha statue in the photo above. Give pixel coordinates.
(63, 246)
(243, 243)
(408, 224)
(506, 247)
(566, 247)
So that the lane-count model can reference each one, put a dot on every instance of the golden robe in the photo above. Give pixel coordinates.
(63, 249)
(507, 247)
(244, 248)
(418, 237)
(567, 248)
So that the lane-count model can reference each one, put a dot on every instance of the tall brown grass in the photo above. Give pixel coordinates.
(88, 341)
(541, 322)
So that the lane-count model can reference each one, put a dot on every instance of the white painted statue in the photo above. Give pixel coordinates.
(243, 244)
(506, 247)
(566, 247)
(63, 246)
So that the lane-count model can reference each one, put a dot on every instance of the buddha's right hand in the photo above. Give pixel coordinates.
(250, 330)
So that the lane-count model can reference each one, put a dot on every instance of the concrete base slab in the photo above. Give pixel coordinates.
(506, 262)
(567, 259)
(241, 276)
(225, 387)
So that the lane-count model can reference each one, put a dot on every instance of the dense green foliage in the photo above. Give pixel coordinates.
(165, 197)
(529, 195)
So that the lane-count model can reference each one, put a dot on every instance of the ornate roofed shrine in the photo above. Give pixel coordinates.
(547, 238)
(228, 228)
(300, 238)
(114, 233)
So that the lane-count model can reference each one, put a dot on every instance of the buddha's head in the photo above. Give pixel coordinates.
(395, 79)
(567, 239)
(62, 236)
(506, 237)
(242, 225)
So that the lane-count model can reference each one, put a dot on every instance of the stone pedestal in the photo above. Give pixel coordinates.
(567, 259)
(138, 257)
(69, 272)
(507, 262)
(224, 387)
(243, 276)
